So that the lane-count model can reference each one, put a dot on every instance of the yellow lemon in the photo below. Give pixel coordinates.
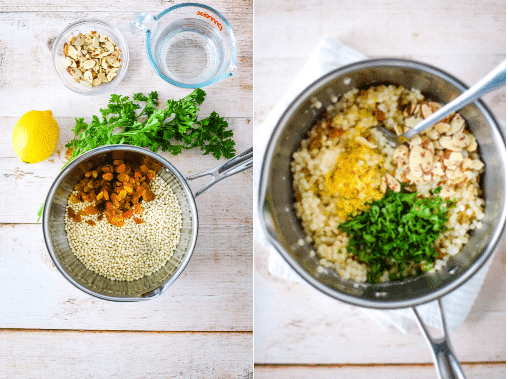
(35, 136)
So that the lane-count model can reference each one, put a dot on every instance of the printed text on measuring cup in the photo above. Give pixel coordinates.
(206, 15)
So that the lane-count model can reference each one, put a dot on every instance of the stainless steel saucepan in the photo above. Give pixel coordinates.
(148, 287)
(282, 227)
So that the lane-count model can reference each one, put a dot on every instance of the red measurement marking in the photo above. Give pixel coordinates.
(206, 15)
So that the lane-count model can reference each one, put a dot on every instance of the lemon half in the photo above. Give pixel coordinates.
(35, 136)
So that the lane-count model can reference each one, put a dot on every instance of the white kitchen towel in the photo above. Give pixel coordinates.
(331, 54)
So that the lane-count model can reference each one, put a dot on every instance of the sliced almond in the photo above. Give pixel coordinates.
(88, 64)
(68, 62)
(461, 140)
(86, 84)
(111, 76)
(79, 41)
(471, 192)
(472, 145)
(442, 127)
(432, 133)
(454, 160)
(72, 52)
(102, 77)
(401, 156)
(110, 46)
(426, 110)
(448, 143)
(87, 76)
(392, 183)
(455, 176)
(437, 169)
(457, 124)
(420, 159)
(446, 192)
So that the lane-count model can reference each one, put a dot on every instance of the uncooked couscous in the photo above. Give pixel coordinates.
(345, 164)
(140, 247)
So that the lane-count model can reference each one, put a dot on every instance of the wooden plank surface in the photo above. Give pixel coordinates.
(202, 325)
(300, 332)
(76, 354)
(480, 370)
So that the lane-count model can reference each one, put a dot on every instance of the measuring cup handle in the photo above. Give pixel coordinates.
(141, 21)
(233, 166)
(447, 365)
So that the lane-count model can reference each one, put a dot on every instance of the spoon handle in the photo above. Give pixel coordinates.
(494, 79)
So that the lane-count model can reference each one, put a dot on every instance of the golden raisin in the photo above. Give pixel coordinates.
(123, 177)
(91, 210)
(108, 176)
(120, 169)
(128, 214)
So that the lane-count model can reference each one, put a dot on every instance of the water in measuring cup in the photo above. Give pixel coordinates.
(189, 51)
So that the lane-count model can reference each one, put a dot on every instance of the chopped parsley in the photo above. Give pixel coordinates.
(397, 233)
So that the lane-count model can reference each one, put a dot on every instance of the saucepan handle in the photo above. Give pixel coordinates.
(447, 365)
(236, 164)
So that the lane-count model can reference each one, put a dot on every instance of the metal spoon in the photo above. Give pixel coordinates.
(494, 79)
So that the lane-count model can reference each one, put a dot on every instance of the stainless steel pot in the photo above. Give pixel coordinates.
(282, 227)
(149, 286)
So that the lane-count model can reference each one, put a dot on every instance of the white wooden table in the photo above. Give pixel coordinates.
(201, 327)
(299, 332)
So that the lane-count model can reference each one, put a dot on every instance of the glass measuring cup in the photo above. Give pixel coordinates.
(189, 45)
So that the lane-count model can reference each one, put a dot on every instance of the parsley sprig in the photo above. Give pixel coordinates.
(398, 231)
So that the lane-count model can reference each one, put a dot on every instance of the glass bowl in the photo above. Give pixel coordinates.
(85, 27)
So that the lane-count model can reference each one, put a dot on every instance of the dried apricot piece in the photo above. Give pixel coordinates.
(137, 220)
(90, 222)
(107, 176)
(117, 162)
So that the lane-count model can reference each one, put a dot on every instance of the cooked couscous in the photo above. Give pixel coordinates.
(345, 164)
